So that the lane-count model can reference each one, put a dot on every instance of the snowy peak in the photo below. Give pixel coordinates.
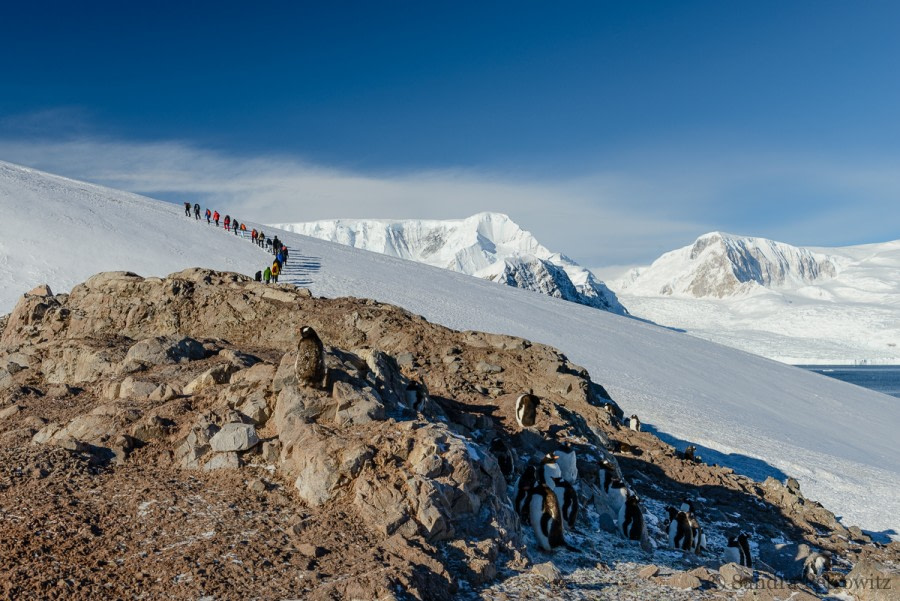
(486, 245)
(722, 265)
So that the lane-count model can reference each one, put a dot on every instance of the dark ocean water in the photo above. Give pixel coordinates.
(881, 378)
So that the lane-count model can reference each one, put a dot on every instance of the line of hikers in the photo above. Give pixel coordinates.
(272, 245)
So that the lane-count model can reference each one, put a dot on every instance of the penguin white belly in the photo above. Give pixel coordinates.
(616, 499)
(568, 466)
(621, 519)
(733, 555)
(536, 513)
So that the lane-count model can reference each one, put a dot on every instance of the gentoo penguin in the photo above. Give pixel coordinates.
(310, 364)
(504, 456)
(634, 423)
(631, 519)
(616, 494)
(738, 551)
(681, 535)
(546, 518)
(690, 453)
(607, 474)
(568, 463)
(815, 565)
(549, 470)
(698, 534)
(567, 498)
(526, 409)
(527, 481)
(416, 396)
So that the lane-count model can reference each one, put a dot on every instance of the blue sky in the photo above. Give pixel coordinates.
(613, 131)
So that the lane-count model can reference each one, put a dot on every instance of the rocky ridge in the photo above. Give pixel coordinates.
(155, 426)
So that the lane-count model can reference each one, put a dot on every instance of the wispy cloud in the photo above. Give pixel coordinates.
(620, 215)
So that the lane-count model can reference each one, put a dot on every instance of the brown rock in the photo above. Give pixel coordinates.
(648, 571)
(683, 580)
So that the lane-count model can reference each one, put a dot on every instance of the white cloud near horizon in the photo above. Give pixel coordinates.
(611, 218)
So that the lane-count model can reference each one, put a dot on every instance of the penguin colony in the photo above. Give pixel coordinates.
(546, 496)
(547, 500)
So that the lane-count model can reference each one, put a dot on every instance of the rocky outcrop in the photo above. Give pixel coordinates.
(384, 480)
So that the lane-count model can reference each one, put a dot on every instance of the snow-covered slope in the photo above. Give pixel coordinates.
(760, 416)
(797, 305)
(487, 245)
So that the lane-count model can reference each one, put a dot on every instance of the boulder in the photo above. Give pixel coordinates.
(219, 374)
(648, 571)
(42, 290)
(735, 575)
(234, 437)
(165, 392)
(162, 350)
(871, 580)
(356, 405)
(238, 359)
(683, 580)
(136, 389)
(256, 410)
(222, 461)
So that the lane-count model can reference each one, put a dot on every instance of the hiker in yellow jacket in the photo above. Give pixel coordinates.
(276, 269)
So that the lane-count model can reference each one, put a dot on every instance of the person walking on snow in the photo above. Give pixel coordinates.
(276, 245)
(234, 226)
(267, 274)
(187, 209)
(261, 239)
(258, 276)
(243, 231)
(197, 210)
(208, 215)
(284, 251)
(216, 218)
(253, 235)
(227, 222)
(276, 269)
(280, 257)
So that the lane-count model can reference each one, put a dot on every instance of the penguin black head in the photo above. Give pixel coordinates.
(307, 332)
(673, 513)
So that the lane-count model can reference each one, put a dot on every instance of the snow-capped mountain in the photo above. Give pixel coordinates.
(797, 305)
(721, 265)
(487, 245)
(754, 415)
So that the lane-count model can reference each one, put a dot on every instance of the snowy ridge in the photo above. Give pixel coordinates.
(796, 305)
(487, 245)
(837, 439)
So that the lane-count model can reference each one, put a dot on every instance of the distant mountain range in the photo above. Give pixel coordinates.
(487, 245)
(797, 305)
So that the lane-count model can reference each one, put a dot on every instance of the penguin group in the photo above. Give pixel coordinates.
(546, 497)
(684, 530)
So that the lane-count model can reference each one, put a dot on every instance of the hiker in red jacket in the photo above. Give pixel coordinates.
(216, 218)
(227, 222)
(208, 215)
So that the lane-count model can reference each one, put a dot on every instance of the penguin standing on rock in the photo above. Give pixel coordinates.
(616, 495)
(634, 423)
(568, 463)
(526, 409)
(631, 518)
(310, 364)
(567, 499)
(681, 535)
(738, 550)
